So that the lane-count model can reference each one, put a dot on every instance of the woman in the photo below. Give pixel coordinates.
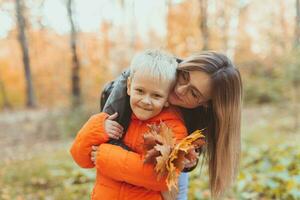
(209, 94)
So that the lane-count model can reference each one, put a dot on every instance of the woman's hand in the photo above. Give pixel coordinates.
(113, 129)
(189, 164)
(94, 154)
(191, 158)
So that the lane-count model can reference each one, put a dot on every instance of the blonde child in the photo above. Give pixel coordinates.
(122, 174)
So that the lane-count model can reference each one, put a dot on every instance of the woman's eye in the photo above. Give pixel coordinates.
(194, 94)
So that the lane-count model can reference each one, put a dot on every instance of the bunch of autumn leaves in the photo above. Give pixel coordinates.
(168, 156)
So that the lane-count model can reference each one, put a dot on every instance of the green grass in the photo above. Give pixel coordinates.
(269, 166)
(49, 176)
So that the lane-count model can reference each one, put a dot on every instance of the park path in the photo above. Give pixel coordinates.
(26, 133)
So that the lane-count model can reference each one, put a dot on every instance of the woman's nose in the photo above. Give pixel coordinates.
(182, 89)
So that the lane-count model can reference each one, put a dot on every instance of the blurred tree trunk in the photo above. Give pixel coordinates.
(6, 104)
(203, 24)
(230, 12)
(75, 78)
(31, 102)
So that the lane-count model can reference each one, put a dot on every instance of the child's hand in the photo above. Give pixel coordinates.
(112, 128)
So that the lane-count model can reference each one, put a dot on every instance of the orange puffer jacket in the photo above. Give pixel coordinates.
(121, 174)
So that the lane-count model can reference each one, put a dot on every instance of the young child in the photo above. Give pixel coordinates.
(122, 174)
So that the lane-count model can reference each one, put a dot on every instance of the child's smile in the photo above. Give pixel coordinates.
(148, 95)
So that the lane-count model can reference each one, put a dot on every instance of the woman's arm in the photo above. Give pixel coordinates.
(92, 133)
(116, 100)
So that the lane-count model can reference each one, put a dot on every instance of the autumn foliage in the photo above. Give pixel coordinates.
(169, 156)
(257, 49)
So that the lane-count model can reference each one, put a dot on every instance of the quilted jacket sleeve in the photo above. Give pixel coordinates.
(178, 128)
(127, 166)
(92, 133)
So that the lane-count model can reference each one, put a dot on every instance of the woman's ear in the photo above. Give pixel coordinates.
(128, 85)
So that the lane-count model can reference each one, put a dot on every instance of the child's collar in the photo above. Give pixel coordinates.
(166, 113)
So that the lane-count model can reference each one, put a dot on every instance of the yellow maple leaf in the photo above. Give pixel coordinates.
(160, 166)
(177, 157)
(167, 156)
(167, 135)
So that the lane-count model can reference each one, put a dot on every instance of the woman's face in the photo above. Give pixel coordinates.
(192, 89)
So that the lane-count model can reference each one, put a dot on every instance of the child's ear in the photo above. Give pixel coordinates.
(128, 85)
(167, 104)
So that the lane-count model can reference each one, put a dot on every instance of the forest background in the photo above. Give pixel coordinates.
(57, 55)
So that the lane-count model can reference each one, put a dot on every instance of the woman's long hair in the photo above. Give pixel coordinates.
(221, 119)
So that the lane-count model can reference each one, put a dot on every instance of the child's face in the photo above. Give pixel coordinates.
(148, 95)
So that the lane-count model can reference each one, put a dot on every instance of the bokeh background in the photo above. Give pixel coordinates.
(56, 56)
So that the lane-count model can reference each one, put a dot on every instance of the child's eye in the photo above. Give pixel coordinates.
(157, 96)
(139, 91)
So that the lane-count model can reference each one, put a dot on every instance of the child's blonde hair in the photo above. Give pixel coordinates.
(155, 63)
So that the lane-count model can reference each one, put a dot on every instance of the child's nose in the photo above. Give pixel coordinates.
(146, 100)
